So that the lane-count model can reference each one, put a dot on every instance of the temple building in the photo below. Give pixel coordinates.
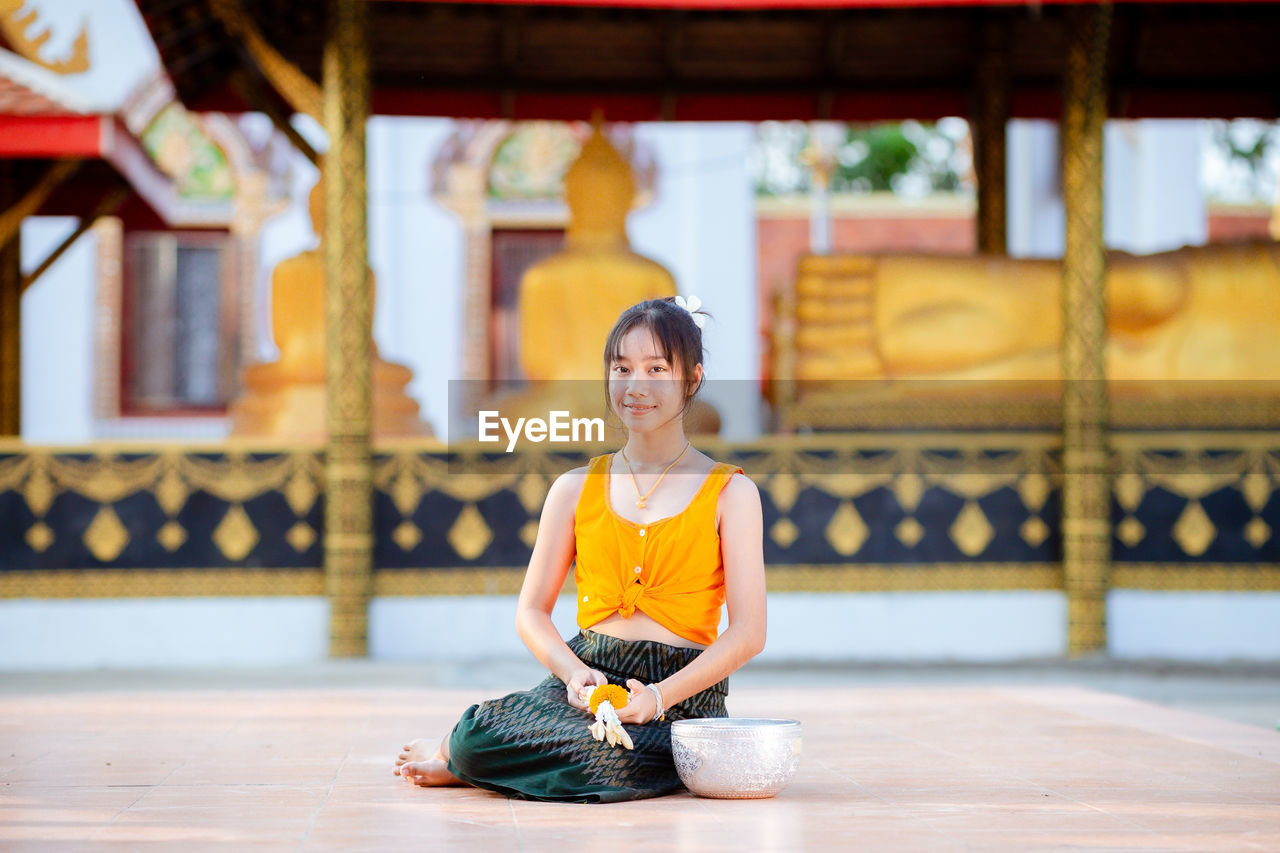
(248, 393)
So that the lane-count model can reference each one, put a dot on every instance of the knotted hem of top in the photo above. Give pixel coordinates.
(679, 630)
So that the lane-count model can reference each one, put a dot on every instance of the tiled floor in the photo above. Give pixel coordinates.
(896, 768)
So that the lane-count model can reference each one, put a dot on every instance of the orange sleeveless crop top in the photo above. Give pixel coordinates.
(670, 569)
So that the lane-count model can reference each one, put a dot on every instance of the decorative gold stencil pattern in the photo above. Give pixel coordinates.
(235, 535)
(470, 535)
(842, 512)
(106, 536)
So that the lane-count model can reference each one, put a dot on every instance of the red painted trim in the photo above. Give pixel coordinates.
(1163, 104)
(571, 107)
(808, 106)
(746, 107)
(430, 102)
(896, 106)
(51, 136)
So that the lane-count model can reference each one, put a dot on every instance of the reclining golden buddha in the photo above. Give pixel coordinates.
(1206, 313)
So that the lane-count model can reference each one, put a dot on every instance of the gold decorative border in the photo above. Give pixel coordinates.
(946, 577)
(160, 583)
(779, 578)
(407, 468)
(506, 580)
(1194, 440)
(1207, 577)
(850, 412)
(940, 577)
(1144, 439)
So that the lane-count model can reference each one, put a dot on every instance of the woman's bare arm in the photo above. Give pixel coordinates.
(742, 551)
(553, 554)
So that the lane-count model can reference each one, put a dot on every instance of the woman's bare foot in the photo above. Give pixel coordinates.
(414, 750)
(431, 773)
(422, 765)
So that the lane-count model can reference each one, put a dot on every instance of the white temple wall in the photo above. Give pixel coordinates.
(1152, 200)
(140, 633)
(418, 252)
(286, 234)
(701, 226)
(1036, 218)
(828, 628)
(803, 627)
(1207, 627)
(58, 316)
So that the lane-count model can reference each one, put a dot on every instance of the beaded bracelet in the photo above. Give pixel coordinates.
(661, 712)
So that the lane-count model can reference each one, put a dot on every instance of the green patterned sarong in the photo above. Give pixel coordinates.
(534, 745)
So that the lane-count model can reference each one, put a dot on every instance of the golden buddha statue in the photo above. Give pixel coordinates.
(1203, 313)
(286, 397)
(570, 300)
(594, 278)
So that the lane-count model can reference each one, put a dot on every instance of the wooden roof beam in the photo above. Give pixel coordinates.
(29, 204)
(112, 200)
(248, 88)
(300, 91)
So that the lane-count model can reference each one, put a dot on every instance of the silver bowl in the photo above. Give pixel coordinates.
(735, 757)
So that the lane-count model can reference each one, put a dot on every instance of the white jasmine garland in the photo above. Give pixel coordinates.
(607, 725)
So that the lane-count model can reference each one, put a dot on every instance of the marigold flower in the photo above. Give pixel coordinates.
(611, 693)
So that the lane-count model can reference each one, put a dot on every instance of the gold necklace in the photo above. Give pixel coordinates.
(640, 499)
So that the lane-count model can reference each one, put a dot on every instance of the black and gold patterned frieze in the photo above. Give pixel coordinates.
(924, 505)
(881, 510)
(165, 509)
(461, 509)
(891, 500)
(1194, 499)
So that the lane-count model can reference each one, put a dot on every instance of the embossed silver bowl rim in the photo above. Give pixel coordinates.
(721, 728)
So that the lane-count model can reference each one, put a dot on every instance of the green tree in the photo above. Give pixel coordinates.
(907, 158)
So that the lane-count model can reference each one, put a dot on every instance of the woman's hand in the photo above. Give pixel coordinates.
(580, 680)
(641, 705)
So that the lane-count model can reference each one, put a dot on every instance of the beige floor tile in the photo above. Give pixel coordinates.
(884, 768)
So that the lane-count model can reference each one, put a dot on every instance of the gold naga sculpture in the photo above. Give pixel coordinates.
(1201, 313)
(570, 300)
(286, 398)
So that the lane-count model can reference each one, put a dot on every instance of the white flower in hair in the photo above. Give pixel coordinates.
(692, 305)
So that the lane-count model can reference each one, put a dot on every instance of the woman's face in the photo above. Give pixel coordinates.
(646, 389)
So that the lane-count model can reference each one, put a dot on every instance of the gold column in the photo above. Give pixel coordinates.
(348, 537)
(1086, 494)
(991, 119)
(10, 313)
